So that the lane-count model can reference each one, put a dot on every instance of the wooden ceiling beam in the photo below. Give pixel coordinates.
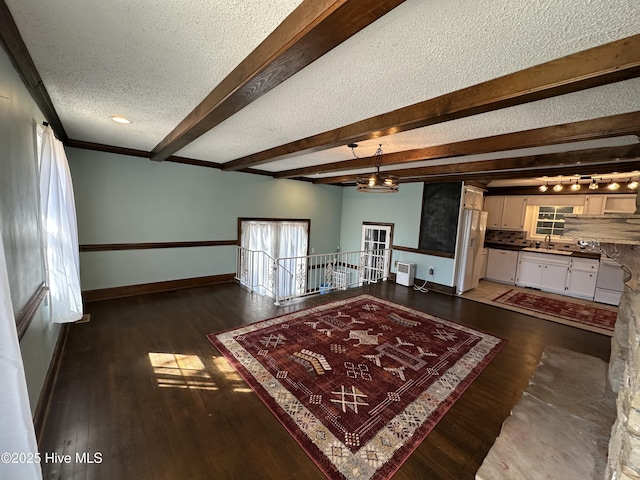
(21, 58)
(538, 165)
(472, 177)
(605, 127)
(609, 63)
(311, 30)
(599, 169)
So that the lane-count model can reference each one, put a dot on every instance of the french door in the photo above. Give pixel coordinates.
(376, 248)
(279, 249)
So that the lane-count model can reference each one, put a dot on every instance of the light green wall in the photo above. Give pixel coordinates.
(123, 199)
(403, 210)
(19, 220)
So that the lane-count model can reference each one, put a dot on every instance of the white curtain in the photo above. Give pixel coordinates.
(60, 231)
(260, 237)
(292, 242)
(16, 427)
(277, 240)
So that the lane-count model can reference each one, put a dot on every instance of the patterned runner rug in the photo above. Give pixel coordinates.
(572, 311)
(360, 382)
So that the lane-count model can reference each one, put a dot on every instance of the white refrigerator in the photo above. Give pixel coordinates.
(469, 259)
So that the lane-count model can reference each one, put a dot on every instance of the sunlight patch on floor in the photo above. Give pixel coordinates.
(180, 371)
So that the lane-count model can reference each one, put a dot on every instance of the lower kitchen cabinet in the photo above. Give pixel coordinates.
(543, 271)
(581, 280)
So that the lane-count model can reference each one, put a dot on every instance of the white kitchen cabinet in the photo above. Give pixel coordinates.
(505, 213)
(554, 276)
(513, 212)
(501, 265)
(544, 271)
(619, 203)
(493, 207)
(473, 198)
(594, 204)
(529, 273)
(581, 280)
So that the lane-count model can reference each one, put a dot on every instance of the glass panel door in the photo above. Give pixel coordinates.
(374, 261)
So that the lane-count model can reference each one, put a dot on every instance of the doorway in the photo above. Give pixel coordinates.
(278, 250)
(376, 245)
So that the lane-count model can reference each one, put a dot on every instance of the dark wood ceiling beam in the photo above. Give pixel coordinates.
(609, 63)
(310, 31)
(21, 58)
(605, 127)
(519, 166)
(474, 177)
(597, 169)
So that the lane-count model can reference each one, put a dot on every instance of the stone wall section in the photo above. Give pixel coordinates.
(624, 378)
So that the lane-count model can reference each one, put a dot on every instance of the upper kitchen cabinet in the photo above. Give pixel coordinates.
(620, 204)
(506, 213)
(600, 204)
(594, 204)
(473, 198)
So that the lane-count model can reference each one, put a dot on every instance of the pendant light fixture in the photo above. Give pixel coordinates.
(575, 187)
(558, 187)
(593, 185)
(376, 182)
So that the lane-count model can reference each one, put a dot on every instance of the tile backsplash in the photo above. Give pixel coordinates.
(506, 237)
(519, 239)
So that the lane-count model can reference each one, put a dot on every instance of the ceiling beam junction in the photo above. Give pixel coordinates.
(609, 63)
(311, 30)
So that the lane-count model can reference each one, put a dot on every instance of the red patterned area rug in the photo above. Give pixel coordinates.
(360, 382)
(574, 313)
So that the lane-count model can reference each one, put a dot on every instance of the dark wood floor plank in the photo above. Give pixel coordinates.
(113, 393)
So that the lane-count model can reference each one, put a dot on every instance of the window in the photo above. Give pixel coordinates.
(550, 220)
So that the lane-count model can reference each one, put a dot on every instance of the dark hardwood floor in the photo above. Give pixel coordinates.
(142, 386)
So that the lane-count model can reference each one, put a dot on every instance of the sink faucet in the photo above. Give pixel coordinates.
(547, 240)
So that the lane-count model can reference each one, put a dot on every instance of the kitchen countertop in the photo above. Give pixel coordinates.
(575, 251)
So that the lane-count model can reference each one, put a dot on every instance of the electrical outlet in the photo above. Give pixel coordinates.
(395, 264)
(431, 270)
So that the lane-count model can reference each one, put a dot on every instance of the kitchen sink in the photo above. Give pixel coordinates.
(547, 250)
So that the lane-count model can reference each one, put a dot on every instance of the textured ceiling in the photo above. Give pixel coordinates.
(151, 61)
(154, 62)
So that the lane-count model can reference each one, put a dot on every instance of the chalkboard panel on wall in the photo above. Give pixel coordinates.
(439, 219)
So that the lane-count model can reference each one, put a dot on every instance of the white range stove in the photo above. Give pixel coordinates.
(610, 282)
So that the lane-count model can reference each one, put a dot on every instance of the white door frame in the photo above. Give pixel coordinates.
(376, 237)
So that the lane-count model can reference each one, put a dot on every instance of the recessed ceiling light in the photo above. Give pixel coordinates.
(118, 119)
